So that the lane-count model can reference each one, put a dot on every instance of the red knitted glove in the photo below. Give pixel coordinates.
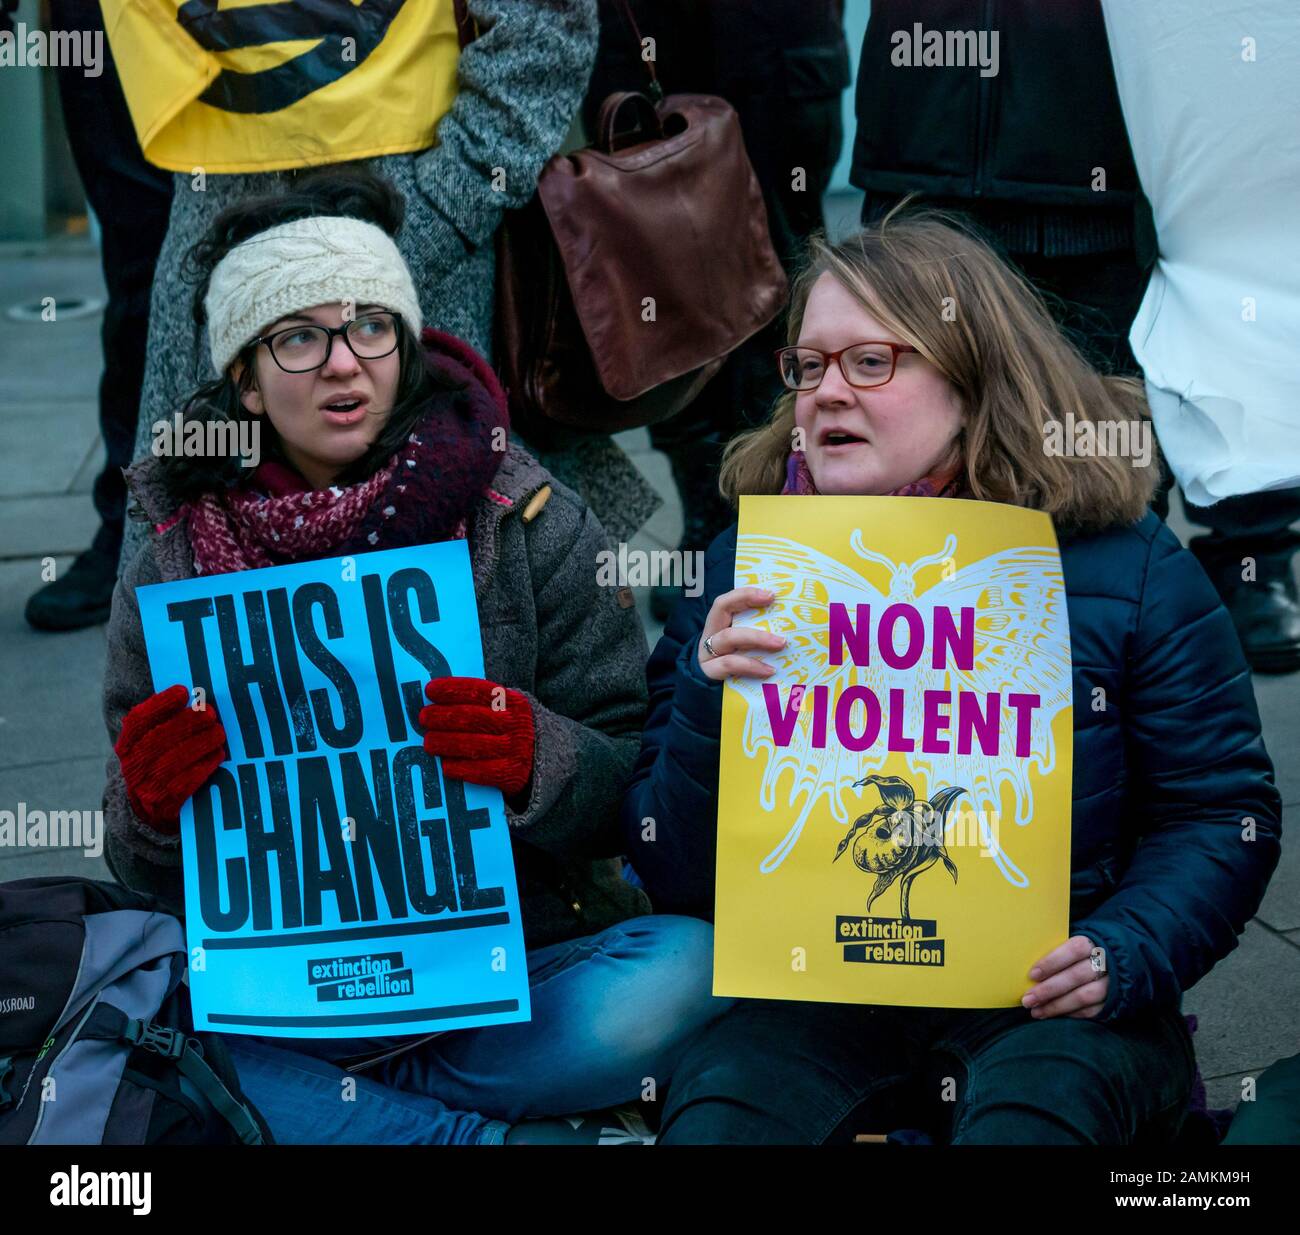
(167, 751)
(477, 742)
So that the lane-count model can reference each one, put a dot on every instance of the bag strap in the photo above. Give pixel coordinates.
(607, 124)
(111, 1024)
(654, 89)
(174, 1045)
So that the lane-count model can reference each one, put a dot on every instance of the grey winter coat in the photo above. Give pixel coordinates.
(577, 650)
(519, 85)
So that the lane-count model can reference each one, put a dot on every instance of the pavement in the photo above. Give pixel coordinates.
(52, 739)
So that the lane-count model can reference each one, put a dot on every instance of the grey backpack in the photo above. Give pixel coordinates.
(97, 1044)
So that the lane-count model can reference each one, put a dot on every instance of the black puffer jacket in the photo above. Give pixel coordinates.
(1031, 133)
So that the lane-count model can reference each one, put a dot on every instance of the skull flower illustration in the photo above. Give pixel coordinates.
(900, 838)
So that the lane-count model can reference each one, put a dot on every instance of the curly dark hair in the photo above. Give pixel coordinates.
(343, 190)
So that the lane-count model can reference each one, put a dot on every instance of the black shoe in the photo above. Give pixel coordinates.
(81, 597)
(1265, 610)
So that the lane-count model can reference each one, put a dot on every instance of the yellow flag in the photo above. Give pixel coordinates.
(264, 85)
(894, 809)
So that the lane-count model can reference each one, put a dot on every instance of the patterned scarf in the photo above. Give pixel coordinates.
(245, 528)
(943, 482)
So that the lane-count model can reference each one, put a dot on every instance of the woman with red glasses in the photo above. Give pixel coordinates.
(920, 364)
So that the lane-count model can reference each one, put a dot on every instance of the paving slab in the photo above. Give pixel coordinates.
(43, 445)
(665, 525)
(1225, 1091)
(58, 784)
(1278, 699)
(61, 785)
(1281, 907)
(43, 361)
(91, 466)
(634, 441)
(51, 685)
(1246, 1006)
(53, 525)
(37, 863)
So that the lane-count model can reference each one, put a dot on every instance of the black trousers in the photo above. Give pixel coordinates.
(781, 1072)
(1265, 520)
(132, 200)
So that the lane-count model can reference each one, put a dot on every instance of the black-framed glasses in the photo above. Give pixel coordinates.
(300, 349)
(863, 364)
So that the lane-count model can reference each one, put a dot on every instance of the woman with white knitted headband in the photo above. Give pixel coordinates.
(348, 430)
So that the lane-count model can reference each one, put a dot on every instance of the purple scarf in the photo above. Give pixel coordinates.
(944, 482)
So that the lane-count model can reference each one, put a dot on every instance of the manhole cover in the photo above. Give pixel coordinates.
(64, 309)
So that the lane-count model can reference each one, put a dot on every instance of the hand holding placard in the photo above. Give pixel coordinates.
(168, 750)
(483, 732)
(726, 640)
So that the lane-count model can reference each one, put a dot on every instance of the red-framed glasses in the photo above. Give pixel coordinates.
(863, 364)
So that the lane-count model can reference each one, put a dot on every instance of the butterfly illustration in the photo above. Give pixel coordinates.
(1021, 645)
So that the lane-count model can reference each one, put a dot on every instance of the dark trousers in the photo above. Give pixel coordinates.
(1094, 299)
(778, 1072)
(131, 199)
(1261, 522)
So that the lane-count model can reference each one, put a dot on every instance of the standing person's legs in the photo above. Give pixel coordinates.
(1248, 556)
(1095, 298)
(785, 1073)
(131, 199)
(1067, 1080)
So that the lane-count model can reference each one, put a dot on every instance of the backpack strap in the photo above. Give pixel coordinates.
(172, 1044)
(114, 1024)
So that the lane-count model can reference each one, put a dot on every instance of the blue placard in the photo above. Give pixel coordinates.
(336, 885)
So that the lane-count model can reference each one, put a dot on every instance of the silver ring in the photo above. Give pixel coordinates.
(1098, 958)
(708, 645)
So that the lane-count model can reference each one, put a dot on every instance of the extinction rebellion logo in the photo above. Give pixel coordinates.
(890, 941)
(282, 85)
(343, 978)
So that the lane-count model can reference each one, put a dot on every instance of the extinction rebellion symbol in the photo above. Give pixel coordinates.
(285, 84)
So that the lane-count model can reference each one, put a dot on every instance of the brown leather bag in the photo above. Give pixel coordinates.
(640, 264)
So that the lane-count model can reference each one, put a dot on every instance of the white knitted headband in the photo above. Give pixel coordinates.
(295, 265)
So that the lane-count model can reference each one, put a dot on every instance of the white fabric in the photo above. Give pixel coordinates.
(294, 266)
(1216, 140)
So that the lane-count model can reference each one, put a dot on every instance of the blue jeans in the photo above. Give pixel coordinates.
(788, 1073)
(612, 1014)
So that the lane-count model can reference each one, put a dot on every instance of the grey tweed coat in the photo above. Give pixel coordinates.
(575, 649)
(520, 84)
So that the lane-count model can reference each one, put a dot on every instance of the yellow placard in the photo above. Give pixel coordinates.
(894, 809)
(229, 86)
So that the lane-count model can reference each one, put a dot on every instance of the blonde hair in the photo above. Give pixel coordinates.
(942, 289)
